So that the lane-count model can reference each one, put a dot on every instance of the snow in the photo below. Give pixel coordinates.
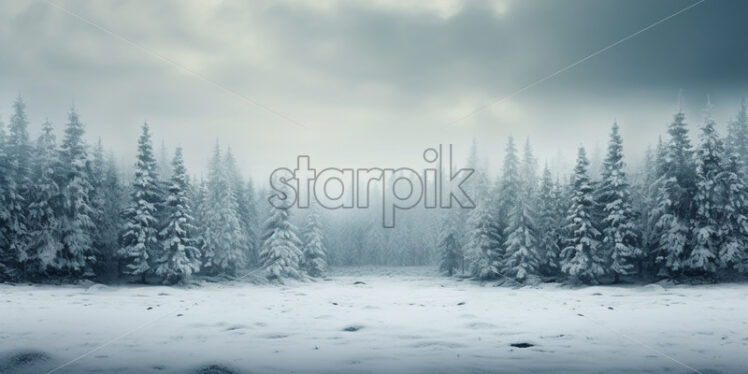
(401, 320)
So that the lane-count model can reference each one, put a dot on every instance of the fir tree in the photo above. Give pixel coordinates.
(223, 233)
(620, 241)
(675, 201)
(179, 256)
(6, 257)
(280, 256)
(706, 228)
(45, 226)
(737, 135)
(252, 222)
(448, 245)
(733, 251)
(549, 224)
(78, 255)
(523, 257)
(582, 259)
(106, 199)
(139, 238)
(242, 203)
(482, 250)
(314, 259)
(18, 153)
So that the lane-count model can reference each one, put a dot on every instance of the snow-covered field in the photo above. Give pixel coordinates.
(407, 320)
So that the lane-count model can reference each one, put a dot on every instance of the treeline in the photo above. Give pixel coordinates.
(66, 215)
(682, 217)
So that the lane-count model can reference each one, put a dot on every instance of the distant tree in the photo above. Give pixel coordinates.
(733, 250)
(179, 256)
(280, 256)
(243, 213)
(314, 260)
(223, 233)
(522, 253)
(139, 238)
(549, 224)
(78, 254)
(620, 240)
(251, 222)
(448, 246)
(44, 224)
(7, 258)
(582, 259)
(107, 202)
(737, 136)
(482, 249)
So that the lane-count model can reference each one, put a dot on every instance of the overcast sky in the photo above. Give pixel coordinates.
(369, 83)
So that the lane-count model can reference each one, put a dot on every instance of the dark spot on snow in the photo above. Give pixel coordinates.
(276, 336)
(610, 307)
(215, 369)
(580, 314)
(353, 328)
(597, 294)
(149, 308)
(20, 359)
(180, 314)
(159, 367)
(334, 303)
(358, 282)
(522, 345)
(235, 327)
(461, 303)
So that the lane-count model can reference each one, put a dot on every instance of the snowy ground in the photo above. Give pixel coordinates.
(399, 321)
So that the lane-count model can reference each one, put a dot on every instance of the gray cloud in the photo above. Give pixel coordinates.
(374, 82)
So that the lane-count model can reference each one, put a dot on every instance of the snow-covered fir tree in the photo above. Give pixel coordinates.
(44, 224)
(707, 232)
(549, 223)
(78, 255)
(242, 204)
(179, 257)
(482, 249)
(223, 234)
(582, 259)
(522, 253)
(18, 153)
(139, 237)
(675, 201)
(6, 257)
(251, 222)
(620, 240)
(737, 135)
(314, 253)
(450, 253)
(733, 250)
(280, 255)
(107, 201)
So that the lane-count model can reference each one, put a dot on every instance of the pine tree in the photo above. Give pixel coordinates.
(448, 245)
(280, 256)
(582, 259)
(45, 226)
(106, 200)
(314, 259)
(706, 227)
(252, 222)
(223, 233)
(179, 257)
(6, 257)
(242, 203)
(675, 201)
(139, 238)
(733, 251)
(482, 249)
(78, 255)
(18, 153)
(523, 257)
(620, 240)
(549, 224)
(737, 135)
